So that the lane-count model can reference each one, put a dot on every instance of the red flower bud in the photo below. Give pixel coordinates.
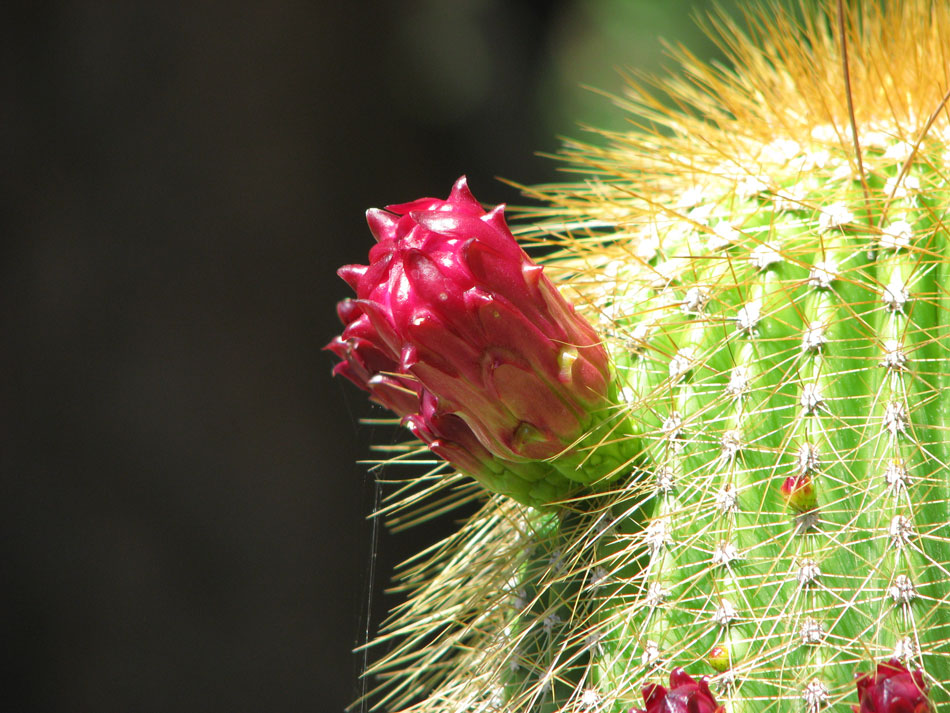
(798, 492)
(458, 332)
(450, 299)
(893, 689)
(685, 695)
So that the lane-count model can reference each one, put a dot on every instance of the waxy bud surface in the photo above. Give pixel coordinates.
(685, 695)
(367, 362)
(892, 689)
(460, 333)
(455, 299)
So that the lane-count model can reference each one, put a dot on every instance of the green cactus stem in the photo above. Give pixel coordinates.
(773, 290)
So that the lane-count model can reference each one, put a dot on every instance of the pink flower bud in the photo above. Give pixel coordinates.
(893, 689)
(450, 299)
(685, 695)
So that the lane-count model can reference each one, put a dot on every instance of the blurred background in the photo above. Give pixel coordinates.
(183, 519)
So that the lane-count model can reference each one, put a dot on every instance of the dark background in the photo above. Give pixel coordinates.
(182, 519)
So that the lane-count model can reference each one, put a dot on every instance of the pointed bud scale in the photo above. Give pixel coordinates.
(352, 274)
(448, 436)
(892, 689)
(685, 695)
(452, 303)
(381, 224)
(798, 492)
(367, 362)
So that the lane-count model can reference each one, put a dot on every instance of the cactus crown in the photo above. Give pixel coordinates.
(773, 292)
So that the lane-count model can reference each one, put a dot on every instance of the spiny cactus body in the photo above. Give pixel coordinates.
(774, 292)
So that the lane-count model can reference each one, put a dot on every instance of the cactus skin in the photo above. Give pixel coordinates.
(777, 309)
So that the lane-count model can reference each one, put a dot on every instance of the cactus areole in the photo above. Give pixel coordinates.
(711, 435)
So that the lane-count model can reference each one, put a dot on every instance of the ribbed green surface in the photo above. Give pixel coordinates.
(775, 307)
(807, 341)
(778, 363)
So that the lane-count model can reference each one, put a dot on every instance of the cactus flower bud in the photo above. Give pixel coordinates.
(718, 657)
(798, 492)
(456, 330)
(451, 295)
(685, 695)
(893, 689)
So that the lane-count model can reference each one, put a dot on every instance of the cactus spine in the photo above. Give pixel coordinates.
(775, 296)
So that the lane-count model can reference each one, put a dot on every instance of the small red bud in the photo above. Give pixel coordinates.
(892, 689)
(685, 695)
(719, 658)
(798, 492)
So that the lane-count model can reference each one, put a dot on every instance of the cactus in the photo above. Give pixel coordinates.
(769, 270)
